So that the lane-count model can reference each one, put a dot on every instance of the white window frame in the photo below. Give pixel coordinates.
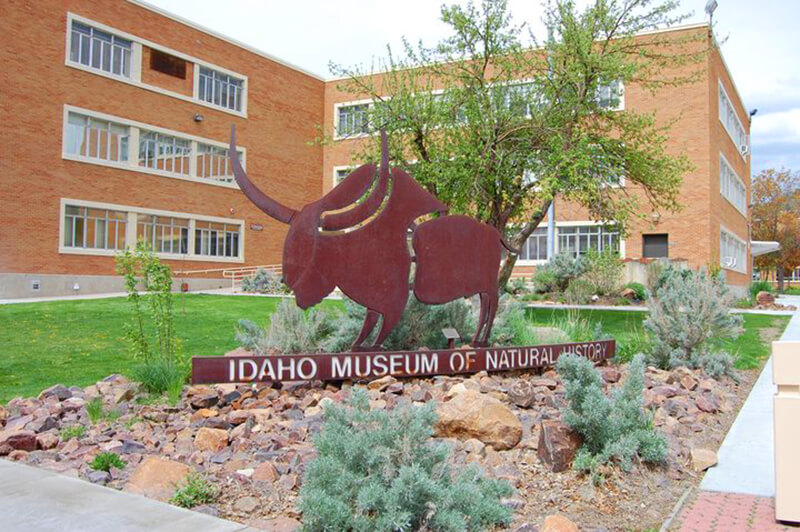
(571, 223)
(135, 78)
(132, 164)
(337, 169)
(336, 136)
(131, 228)
(731, 235)
(746, 139)
(723, 162)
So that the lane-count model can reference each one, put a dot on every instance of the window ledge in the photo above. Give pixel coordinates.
(169, 256)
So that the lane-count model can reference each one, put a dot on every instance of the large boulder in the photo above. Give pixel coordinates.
(558, 523)
(557, 444)
(765, 298)
(17, 440)
(472, 414)
(157, 478)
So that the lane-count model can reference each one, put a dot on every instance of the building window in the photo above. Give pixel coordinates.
(163, 234)
(98, 49)
(87, 228)
(731, 186)
(609, 96)
(221, 89)
(164, 152)
(97, 139)
(729, 119)
(213, 163)
(216, 239)
(352, 120)
(535, 247)
(578, 240)
(732, 251)
(339, 174)
(655, 246)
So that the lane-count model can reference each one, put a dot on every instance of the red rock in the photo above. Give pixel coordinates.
(688, 382)
(213, 440)
(765, 298)
(557, 444)
(707, 403)
(276, 524)
(611, 375)
(522, 393)
(157, 477)
(266, 472)
(472, 414)
(17, 440)
(558, 523)
(545, 382)
(46, 441)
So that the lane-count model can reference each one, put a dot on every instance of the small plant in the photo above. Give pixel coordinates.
(614, 428)
(603, 271)
(264, 282)
(380, 470)
(105, 461)
(194, 491)
(291, 330)
(636, 343)
(130, 422)
(516, 286)
(544, 280)
(717, 364)
(72, 431)
(760, 286)
(94, 409)
(159, 376)
(639, 291)
(578, 327)
(689, 317)
(579, 292)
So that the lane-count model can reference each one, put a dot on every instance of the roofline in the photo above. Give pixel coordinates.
(220, 36)
(681, 27)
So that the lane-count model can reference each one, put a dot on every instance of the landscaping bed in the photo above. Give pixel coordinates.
(253, 444)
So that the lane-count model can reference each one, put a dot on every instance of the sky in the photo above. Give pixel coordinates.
(761, 46)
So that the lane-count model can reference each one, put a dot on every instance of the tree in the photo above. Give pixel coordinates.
(497, 124)
(776, 217)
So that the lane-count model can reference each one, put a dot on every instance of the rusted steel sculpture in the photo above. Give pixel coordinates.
(362, 247)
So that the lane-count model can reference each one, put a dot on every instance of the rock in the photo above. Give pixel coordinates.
(58, 391)
(707, 403)
(628, 294)
(688, 382)
(456, 389)
(99, 477)
(130, 446)
(73, 404)
(266, 472)
(544, 382)
(47, 440)
(237, 417)
(475, 446)
(204, 401)
(213, 440)
(702, 459)
(549, 335)
(276, 524)
(157, 478)
(18, 422)
(124, 393)
(246, 504)
(558, 523)
(472, 414)
(765, 298)
(382, 383)
(42, 424)
(512, 503)
(666, 391)
(17, 440)
(610, 375)
(522, 393)
(557, 444)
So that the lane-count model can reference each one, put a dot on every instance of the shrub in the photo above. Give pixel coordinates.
(508, 320)
(291, 330)
(689, 316)
(94, 409)
(579, 328)
(639, 291)
(614, 427)
(603, 272)
(654, 271)
(105, 461)
(380, 470)
(264, 282)
(760, 286)
(421, 325)
(636, 343)
(72, 431)
(579, 292)
(516, 286)
(717, 364)
(194, 490)
(668, 271)
(141, 267)
(544, 280)
(565, 268)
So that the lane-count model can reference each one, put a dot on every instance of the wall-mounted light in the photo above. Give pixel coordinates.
(198, 117)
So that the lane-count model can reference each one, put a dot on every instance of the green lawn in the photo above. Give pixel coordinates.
(79, 342)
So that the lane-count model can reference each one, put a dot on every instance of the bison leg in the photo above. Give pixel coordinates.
(390, 319)
(369, 323)
(493, 298)
(484, 314)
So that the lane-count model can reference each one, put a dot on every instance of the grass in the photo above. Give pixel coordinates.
(77, 343)
(626, 326)
(80, 342)
(195, 490)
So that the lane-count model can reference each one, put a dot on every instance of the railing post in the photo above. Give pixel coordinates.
(786, 375)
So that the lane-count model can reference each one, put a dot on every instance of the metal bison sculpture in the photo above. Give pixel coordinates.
(355, 238)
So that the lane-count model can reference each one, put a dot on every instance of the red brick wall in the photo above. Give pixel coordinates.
(283, 107)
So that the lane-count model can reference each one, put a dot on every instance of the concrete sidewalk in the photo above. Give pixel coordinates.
(35, 499)
(747, 456)
(643, 308)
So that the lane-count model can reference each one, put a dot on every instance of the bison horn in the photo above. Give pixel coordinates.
(262, 201)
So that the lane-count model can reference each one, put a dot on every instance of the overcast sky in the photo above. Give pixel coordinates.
(761, 50)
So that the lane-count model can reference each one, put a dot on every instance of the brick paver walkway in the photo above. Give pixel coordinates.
(729, 512)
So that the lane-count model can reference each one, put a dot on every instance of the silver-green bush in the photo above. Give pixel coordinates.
(690, 314)
(614, 427)
(291, 330)
(264, 282)
(379, 470)
(603, 272)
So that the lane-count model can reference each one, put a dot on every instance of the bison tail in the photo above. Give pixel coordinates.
(509, 247)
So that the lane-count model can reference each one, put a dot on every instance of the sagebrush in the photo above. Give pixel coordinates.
(291, 330)
(689, 317)
(264, 282)
(381, 470)
(614, 427)
(603, 272)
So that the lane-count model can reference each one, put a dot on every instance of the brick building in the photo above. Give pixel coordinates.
(116, 128)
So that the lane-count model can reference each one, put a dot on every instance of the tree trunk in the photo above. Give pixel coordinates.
(506, 270)
(511, 258)
(780, 279)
